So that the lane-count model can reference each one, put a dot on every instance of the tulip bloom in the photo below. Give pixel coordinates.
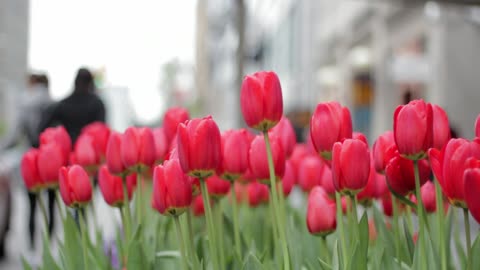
(199, 147)
(29, 170)
(310, 173)
(75, 186)
(413, 129)
(441, 127)
(172, 118)
(350, 166)
(111, 186)
(161, 144)
(360, 136)
(100, 133)
(401, 176)
(172, 189)
(427, 191)
(327, 181)
(259, 161)
(235, 147)
(50, 159)
(197, 206)
(472, 189)
(85, 153)
(217, 187)
(321, 213)
(381, 147)
(288, 179)
(114, 158)
(257, 194)
(261, 100)
(449, 166)
(300, 151)
(330, 123)
(59, 136)
(370, 192)
(138, 148)
(285, 133)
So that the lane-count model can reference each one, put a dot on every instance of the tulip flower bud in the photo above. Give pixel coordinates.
(29, 170)
(360, 136)
(300, 151)
(449, 166)
(75, 186)
(85, 154)
(286, 135)
(259, 161)
(257, 194)
(413, 129)
(161, 145)
(50, 159)
(217, 187)
(114, 158)
(172, 189)
(199, 147)
(381, 149)
(288, 179)
(327, 181)
(350, 166)
(400, 174)
(138, 149)
(111, 186)
(427, 191)
(261, 100)
(235, 147)
(472, 189)
(370, 192)
(441, 127)
(100, 133)
(321, 213)
(310, 173)
(59, 136)
(172, 118)
(330, 123)
(197, 206)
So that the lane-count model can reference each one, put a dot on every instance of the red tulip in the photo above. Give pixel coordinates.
(288, 179)
(195, 185)
(85, 153)
(321, 213)
(99, 132)
(261, 100)
(310, 173)
(370, 192)
(327, 181)
(199, 147)
(172, 190)
(472, 189)
(380, 150)
(197, 206)
(259, 161)
(235, 147)
(29, 170)
(330, 123)
(138, 148)
(413, 129)
(59, 136)
(477, 126)
(114, 158)
(400, 174)
(240, 191)
(300, 151)
(449, 166)
(360, 136)
(111, 186)
(285, 133)
(161, 144)
(50, 159)
(387, 205)
(217, 187)
(174, 117)
(75, 186)
(350, 166)
(257, 194)
(441, 127)
(428, 197)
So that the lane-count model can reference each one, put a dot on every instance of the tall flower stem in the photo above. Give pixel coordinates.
(210, 229)
(83, 228)
(273, 223)
(324, 248)
(190, 235)
(181, 243)
(219, 229)
(469, 240)
(57, 202)
(343, 244)
(441, 225)
(140, 206)
(43, 209)
(409, 219)
(421, 213)
(236, 229)
(127, 225)
(273, 186)
(396, 227)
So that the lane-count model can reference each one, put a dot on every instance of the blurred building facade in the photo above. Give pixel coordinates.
(14, 21)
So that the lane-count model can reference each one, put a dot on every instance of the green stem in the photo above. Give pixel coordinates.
(469, 240)
(409, 218)
(219, 226)
(325, 249)
(441, 225)
(343, 244)
(421, 214)
(43, 209)
(83, 227)
(273, 186)
(275, 234)
(210, 229)
(57, 202)
(140, 206)
(124, 222)
(190, 235)
(127, 223)
(236, 229)
(353, 198)
(396, 227)
(178, 228)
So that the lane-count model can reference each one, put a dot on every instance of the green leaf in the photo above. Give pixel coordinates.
(409, 242)
(48, 260)
(136, 254)
(384, 235)
(25, 264)
(168, 254)
(252, 263)
(336, 261)
(72, 251)
(476, 250)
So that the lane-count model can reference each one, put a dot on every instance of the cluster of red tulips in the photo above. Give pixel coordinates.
(194, 166)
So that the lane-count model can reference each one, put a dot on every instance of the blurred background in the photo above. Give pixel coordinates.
(370, 55)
